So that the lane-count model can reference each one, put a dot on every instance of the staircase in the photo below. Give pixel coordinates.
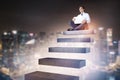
(67, 58)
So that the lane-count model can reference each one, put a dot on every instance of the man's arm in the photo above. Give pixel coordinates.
(88, 20)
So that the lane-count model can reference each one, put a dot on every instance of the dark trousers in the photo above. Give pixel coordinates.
(78, 26)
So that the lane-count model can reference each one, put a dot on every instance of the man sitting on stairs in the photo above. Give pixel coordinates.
(81, 21)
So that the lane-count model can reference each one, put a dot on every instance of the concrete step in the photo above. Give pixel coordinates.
(69, 49)
(72, 63)
(76, 36)
(61, 70)
(75, 39)
(70, 44)
(48, 76)
(73, 44)
(79, 32)
(68, 55)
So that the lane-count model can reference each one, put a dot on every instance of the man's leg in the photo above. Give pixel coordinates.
(72, 25)
(79, 27)
(82, 27)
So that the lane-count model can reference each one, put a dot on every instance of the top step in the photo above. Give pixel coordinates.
(78, 32)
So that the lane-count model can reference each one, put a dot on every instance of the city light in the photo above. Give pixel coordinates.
(115, 42)
(31, 34)
(112, 52)
(14, 31)
(5, 33)
(100, 28)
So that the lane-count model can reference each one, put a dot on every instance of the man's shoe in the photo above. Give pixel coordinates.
(70, 29)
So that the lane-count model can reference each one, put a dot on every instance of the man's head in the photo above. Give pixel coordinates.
(81, 9)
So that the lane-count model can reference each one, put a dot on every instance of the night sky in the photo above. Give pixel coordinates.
(54, 15)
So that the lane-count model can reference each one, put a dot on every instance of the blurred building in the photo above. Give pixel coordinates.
(109, 37)
(119, 47)
(102, 46)
(11, 42)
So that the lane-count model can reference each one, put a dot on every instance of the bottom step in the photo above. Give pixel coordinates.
(48, 76)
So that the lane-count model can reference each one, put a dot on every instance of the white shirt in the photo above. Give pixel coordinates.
(84, 16)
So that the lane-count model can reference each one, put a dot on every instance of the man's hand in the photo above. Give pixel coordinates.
(73, 19)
